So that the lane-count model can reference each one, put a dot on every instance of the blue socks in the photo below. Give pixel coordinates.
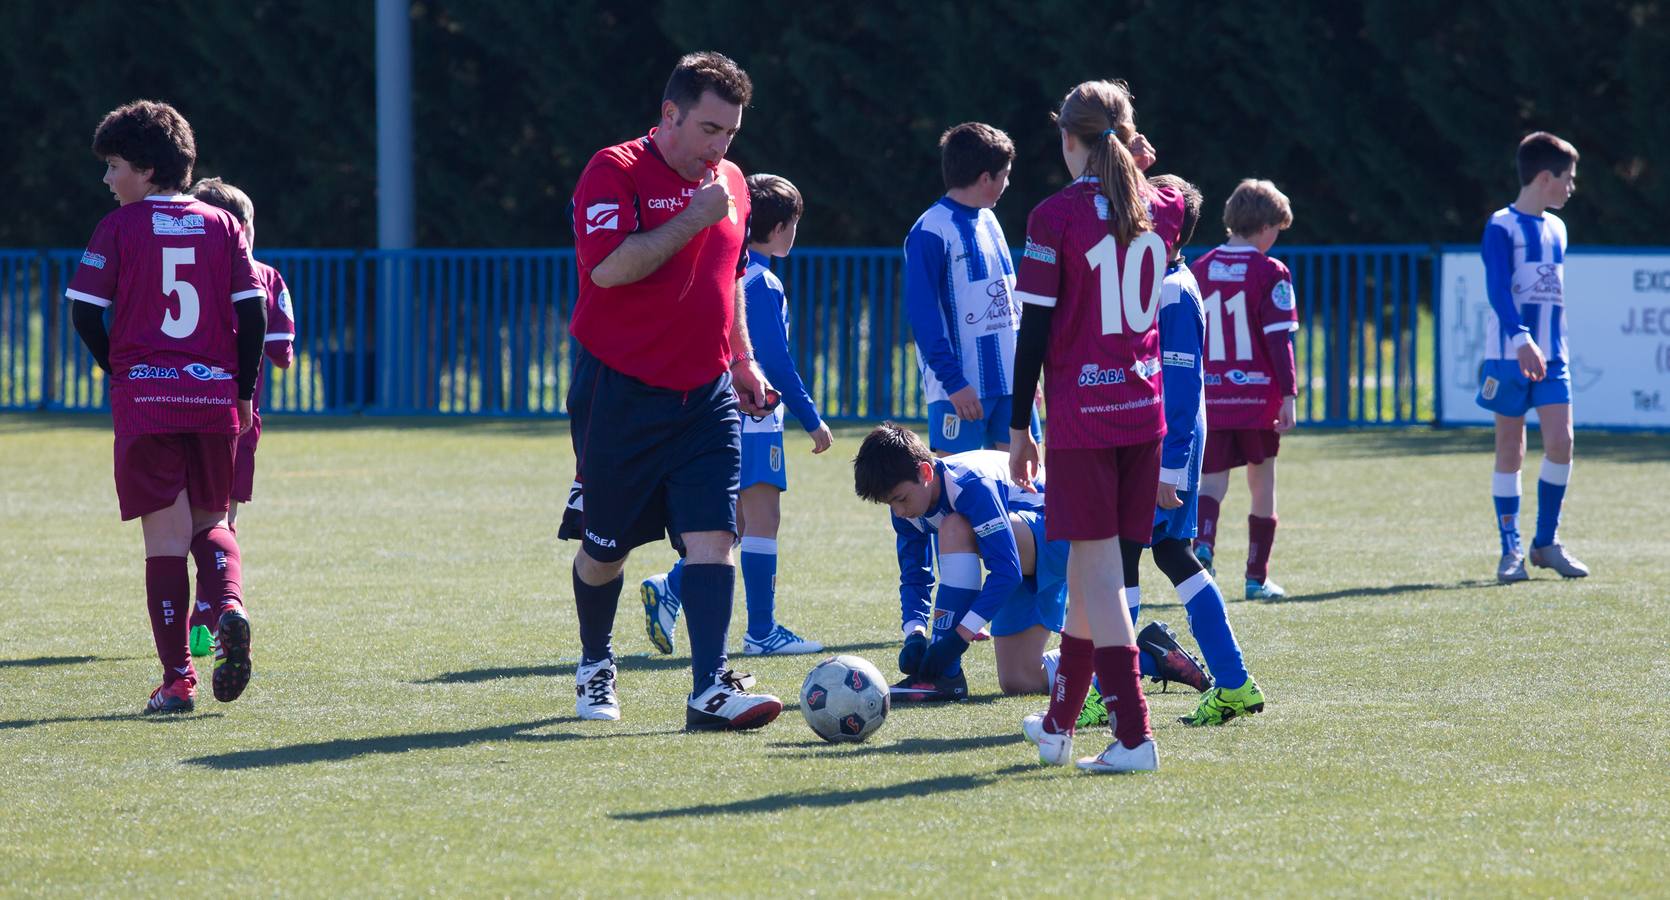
(707, 592)
(595, 607)
(1504, 489)
(959, 584)
(759, 581)
(1210, 626)
(1551, 493)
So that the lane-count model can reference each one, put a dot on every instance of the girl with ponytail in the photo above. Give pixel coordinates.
(1089, 284)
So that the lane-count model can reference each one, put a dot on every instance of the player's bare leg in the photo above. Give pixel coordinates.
(1020, 668)
(1505, 489)
(1546, 550)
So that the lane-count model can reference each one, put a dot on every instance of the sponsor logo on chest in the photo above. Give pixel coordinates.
(163, 223)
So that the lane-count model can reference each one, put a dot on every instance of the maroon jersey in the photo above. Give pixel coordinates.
(1102, 368)
(672, 328)
(1248, 297)
(281, 320)
(172, 267)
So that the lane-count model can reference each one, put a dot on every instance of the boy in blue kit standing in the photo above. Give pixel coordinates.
(959, 294)
(1525, 359)
(1230, 692)
(777, 207)
(980, 518)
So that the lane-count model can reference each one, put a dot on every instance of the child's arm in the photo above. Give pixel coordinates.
(984, 509)
(1281, 320)
(93, 290)
(1497, 251)
(924, 288)
(1182, 332)
(916, 582)
(770, 335)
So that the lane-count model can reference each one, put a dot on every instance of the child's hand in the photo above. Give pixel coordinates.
(822, 438)
(1142, 152)
(1168, 496)
(1531, 362)
(1023, 458)
(1289, 416)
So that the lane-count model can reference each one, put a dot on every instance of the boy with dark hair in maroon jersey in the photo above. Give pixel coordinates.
(182, 355)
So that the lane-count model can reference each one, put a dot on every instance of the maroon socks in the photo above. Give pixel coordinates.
(167, 596)
(1119, 675)
(1207, 521)
(219, 574)
(1261, 534)
(1072, 682)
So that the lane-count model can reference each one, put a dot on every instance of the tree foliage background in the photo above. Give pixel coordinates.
(1384, 120)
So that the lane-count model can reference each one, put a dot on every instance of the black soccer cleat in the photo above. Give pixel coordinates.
(1171, 662)
(232, 664)
(916, 689)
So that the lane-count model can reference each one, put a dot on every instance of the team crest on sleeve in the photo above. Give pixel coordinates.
(602, 217)
(92, 259)
(1282, 296)
(952, 427)
(284, 304)
(987, 529)
(1039, 252)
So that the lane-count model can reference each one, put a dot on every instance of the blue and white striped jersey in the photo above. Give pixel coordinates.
(959, 293)
(768, 330)
(976, 485)
(1524, 273)
(1182, 332)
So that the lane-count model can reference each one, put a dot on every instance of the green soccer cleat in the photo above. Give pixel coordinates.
(1219, 705)
(1265, 590)
(1094, 714)
(202, 640)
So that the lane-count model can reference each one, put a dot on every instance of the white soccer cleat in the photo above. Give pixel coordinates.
(1144, 757)
(780, 642)
(1554, 556)
(1511, 568)
(1053, 749)
(594, 691)
(728, 705)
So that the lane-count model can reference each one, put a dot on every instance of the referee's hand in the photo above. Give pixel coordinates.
(751, 387)
(712, 200)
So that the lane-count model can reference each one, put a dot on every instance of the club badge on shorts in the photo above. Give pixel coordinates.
(1488, 389)
(952, 427)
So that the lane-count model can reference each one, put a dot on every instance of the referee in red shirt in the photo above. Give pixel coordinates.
(663, 365)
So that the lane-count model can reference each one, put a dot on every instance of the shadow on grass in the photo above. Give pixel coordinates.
(634, 663)
(1615, 446)
(831, 799)
(906, 747)
(43, 661)
(353, 748)
(110, 717)
(1385, 590)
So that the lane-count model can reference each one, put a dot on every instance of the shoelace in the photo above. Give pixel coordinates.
(737, 681)
(599, 689)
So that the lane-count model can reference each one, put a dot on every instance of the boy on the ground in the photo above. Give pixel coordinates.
(959, 294)
(1251, 380)
(279, 338)
(182, 354)
(777, 207)
(1524, 365)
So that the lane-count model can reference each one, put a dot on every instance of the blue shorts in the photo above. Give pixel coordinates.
(762, 451)
(651, 461)
(1042, 597)
(948, 433)
(1505, 390)
(1181, 523)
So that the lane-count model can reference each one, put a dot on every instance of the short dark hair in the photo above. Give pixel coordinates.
(773, 200)
(219, 194)
(888, 458)
(698, 73)
(972, 149)
(149, 135)
(1543, 152)
(1192, 201)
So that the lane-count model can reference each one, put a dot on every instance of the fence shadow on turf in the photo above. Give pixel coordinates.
(352, 748)
(829, 799)
(908, 747)
(636, 662)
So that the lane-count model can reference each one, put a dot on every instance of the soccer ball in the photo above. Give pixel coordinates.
(844, 699)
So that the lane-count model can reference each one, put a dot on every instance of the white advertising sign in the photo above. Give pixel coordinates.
(1618, 334)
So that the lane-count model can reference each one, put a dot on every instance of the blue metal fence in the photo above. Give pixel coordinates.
(485, 332)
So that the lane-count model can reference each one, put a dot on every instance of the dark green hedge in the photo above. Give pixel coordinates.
(1385, 121)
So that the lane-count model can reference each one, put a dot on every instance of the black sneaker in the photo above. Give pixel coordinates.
(232, 664)
(1171, 662)
(916, 689)
(728, 706)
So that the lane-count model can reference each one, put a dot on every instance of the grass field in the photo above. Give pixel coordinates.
(411, 726)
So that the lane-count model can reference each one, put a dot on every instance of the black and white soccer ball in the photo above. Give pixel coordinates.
(845, 699)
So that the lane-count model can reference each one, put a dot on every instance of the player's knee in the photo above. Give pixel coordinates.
(1175, 560)
(956, 535)
(596, 573)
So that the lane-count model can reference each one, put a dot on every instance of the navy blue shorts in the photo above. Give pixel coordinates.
(652, 462)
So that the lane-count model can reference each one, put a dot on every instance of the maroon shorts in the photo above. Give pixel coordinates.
(243, 465)
(152, 469)
(1101, 493)
(1231, 447)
